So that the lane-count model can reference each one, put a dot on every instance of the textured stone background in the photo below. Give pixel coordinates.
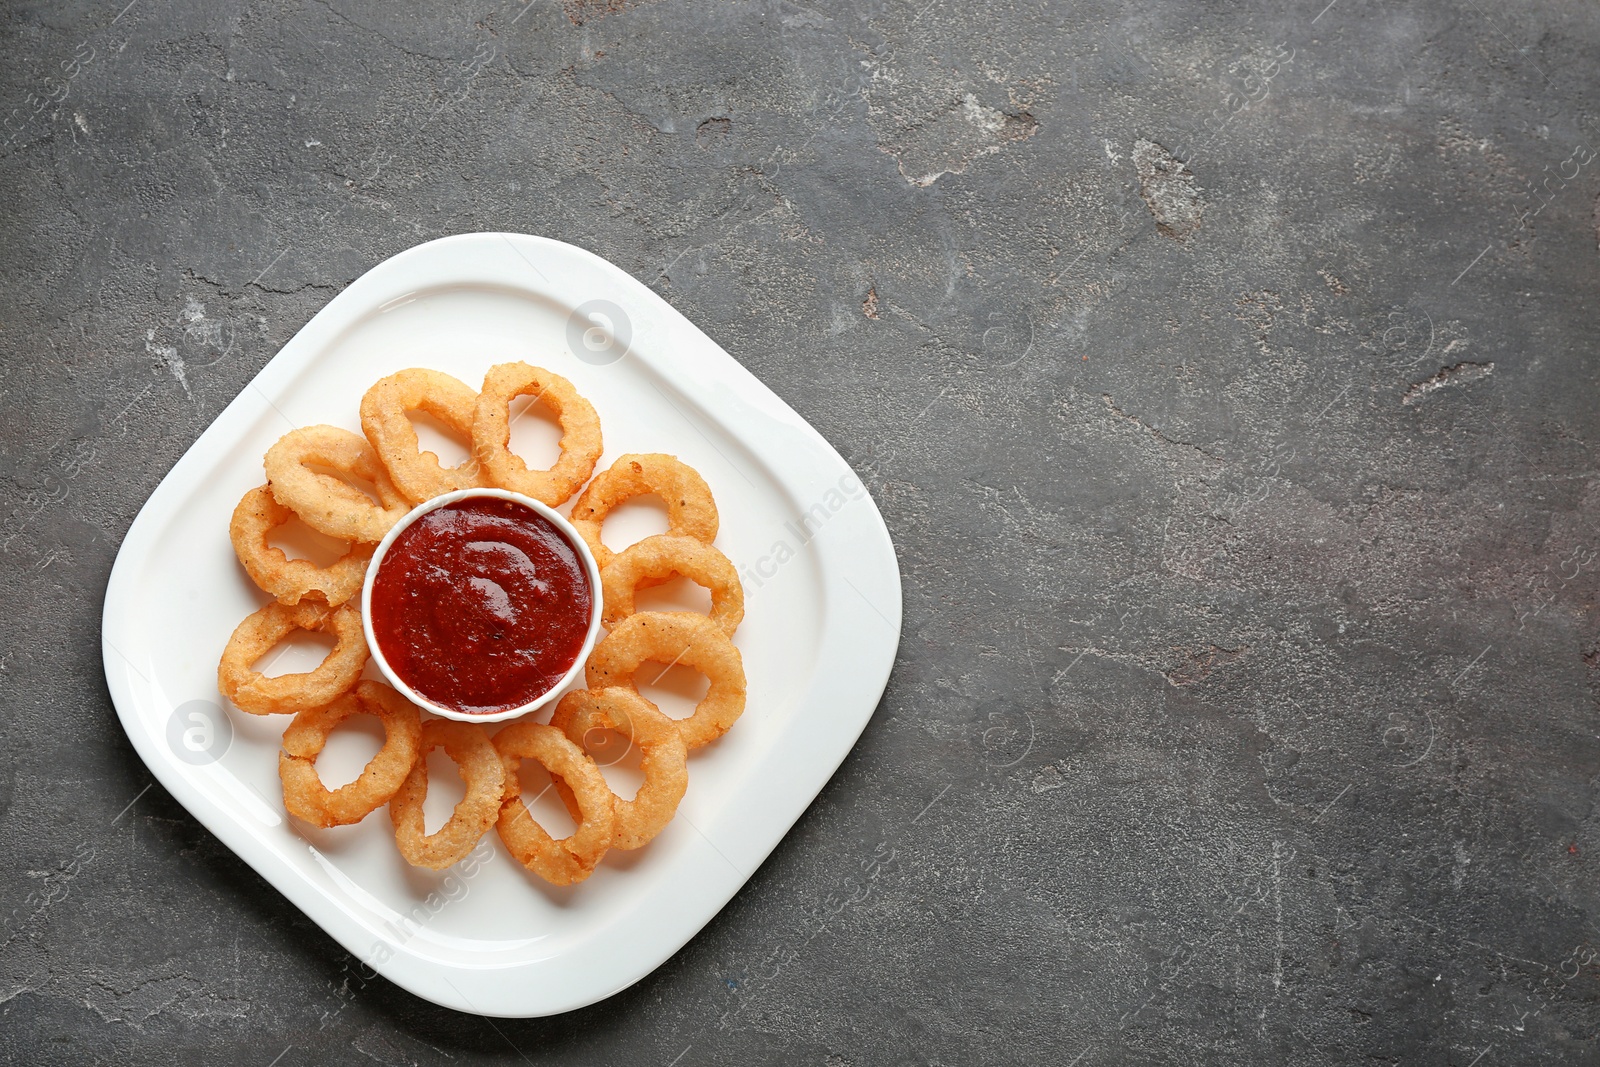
(1221, 370)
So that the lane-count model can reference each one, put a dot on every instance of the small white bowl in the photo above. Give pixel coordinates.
(591, 569)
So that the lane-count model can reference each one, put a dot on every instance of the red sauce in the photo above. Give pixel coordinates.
(481, 605)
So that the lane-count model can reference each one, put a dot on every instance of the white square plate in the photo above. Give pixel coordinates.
(818, 640)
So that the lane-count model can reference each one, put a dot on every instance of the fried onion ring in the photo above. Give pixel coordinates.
(685, 637)
(691, 512)
(485, 777)
(491, 433)
(659, 558)
(326, 503)
(303, 792)
(416, 473)
(254, 692)
(290, 580)
(573, 858)
(663, 759)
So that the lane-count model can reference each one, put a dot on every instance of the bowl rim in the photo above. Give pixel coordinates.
(567, 530)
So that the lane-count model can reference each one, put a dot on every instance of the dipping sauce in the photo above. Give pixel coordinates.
(481, 605)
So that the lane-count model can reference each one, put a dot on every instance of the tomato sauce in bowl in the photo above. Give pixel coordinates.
(481, 603)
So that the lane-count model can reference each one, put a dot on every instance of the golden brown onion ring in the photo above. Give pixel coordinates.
(485, 778)
(326, 503)
(416, 473)
(667, 638)
(691, 511)
(572, 858)
(491, 433)
(290, 580)
(659, 558)
(257, 694)
(663, 759)
(303, 792)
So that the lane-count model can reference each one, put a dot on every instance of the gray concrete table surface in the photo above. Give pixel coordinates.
(1222, 371)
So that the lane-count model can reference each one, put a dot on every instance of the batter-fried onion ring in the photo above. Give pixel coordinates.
(257, 694)
(691, 512)
(485, 777)
(290, 580)
(661, 557)
(491, 433)
(572, 858)
(663, 759)
(416, 473)
(676, 637)
(303, 792)
(326, 503)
